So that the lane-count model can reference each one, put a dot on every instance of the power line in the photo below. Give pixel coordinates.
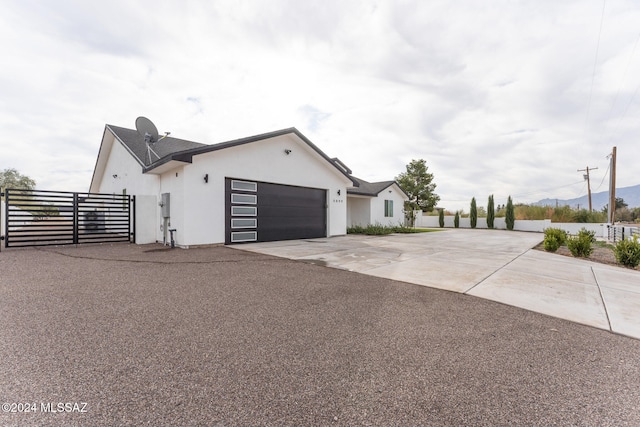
(624, 113)
(595, 63)
(581, 192)
(547, 189)
(603, 177)
(624, 76)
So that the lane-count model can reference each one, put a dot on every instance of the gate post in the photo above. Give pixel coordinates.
(76, 223)
(132, 218)
(3, 224)
(6, 218)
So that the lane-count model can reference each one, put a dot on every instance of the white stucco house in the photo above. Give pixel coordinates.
(375, 203)
(273, 186)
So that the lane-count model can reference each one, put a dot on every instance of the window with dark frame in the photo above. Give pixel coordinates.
(388, 208)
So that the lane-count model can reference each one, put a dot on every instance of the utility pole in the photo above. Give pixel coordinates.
(612, 188)
(586, 177)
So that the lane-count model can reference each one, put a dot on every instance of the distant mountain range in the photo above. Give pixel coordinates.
(631, 196)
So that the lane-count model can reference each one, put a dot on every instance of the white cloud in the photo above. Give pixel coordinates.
(494, 95)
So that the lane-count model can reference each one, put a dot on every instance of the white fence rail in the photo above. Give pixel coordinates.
(622, 232)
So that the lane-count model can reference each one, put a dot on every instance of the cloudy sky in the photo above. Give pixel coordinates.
(499, 97)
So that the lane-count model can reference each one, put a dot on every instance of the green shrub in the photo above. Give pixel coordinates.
(580, 245)
(356, 229)
(456, 220)
(554, 238)
(627, 252)
(587, 234)
(551, 243)
(376, 229)
(441, 217)
(401, 228)
(559, 234)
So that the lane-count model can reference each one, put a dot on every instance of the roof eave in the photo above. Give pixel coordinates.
(187, 155)
(167, 163)
(95, 167)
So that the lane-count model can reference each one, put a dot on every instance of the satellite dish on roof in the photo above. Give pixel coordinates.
(147, 129)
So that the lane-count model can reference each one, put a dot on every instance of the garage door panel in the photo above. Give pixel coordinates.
(291, 200)
(289, 211)
(283, 212)
(279, 232)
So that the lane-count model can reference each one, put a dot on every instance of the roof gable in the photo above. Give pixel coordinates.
(169, 152)
(136, 145)
(187, 155)
(372, 188)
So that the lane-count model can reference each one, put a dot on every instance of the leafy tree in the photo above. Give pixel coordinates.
(456, 220)
(441, 217)
(11, 178)
(624, 215)
(473, 213)
(510, 216)
(418, 183)
(491, 212)
(584, 215)
(620, 204)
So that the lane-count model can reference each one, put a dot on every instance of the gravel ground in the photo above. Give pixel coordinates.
(602, 255)
(220, 337)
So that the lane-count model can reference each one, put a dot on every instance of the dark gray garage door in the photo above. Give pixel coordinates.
(264, 212)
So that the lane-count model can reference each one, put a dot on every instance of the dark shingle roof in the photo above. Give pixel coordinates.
(369, 188)
(169, 149)
(163, 148)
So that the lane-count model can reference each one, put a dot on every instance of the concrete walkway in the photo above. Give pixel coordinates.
(490, 264)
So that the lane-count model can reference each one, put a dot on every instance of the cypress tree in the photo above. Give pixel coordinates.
(491, 212)
(473, 214)
(441, 217)
(456, 220)
(510, 216)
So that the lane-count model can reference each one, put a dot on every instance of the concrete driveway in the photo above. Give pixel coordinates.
(491, 264)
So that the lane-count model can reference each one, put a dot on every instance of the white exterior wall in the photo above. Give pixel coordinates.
(574, 228)
(358, 211)
(264, 161)
(377, 207)
(532, 225)
(146, 207)
(128, 174)
(173, 182)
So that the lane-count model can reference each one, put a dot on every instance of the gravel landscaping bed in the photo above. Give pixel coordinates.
(601, 254)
